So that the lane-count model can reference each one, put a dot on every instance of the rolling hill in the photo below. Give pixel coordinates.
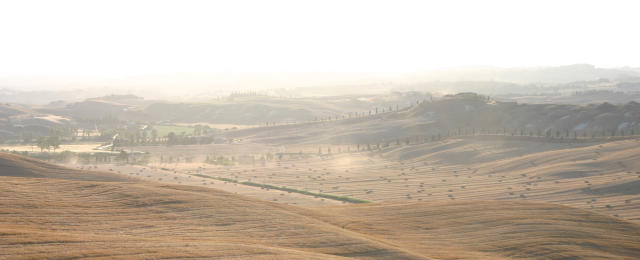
(460, 114)
(87, 215)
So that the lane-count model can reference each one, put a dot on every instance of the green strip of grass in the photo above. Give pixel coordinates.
(267, 186)
(215, 178)
(321, 195)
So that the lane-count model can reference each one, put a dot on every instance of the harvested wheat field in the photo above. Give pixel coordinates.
(65, 213)
(599, 176)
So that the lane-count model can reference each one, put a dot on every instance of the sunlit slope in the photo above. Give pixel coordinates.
(492, 229)
(63, 218)
(68, 218)
(600, 176)
(604, 177)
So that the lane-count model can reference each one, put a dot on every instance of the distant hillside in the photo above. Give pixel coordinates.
(467, 112)
(471, 111)
(16, 119)
(250, 110)
(461, 114)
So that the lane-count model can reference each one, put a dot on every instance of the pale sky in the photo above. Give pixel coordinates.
(85, 39)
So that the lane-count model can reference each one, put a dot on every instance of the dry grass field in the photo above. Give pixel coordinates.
(181, 175)
(52, 212)
(53, 217)
(491, 229)
(599, 176)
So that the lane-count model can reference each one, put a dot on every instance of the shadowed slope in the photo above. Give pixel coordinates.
(23, 166)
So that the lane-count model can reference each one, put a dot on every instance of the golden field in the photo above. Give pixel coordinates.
(52, 212)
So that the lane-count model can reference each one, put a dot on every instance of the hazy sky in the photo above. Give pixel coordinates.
(130, 38)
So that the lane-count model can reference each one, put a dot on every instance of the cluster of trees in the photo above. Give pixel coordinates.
(375, 111)
(48, 142)
(359, 114)
(143, 135)
(182, 139)
(133, 135)
(89, 158)
(97, 129)
(32, 135)
(550, 134)
(128, 135)
(200, 130)
(123, 157)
